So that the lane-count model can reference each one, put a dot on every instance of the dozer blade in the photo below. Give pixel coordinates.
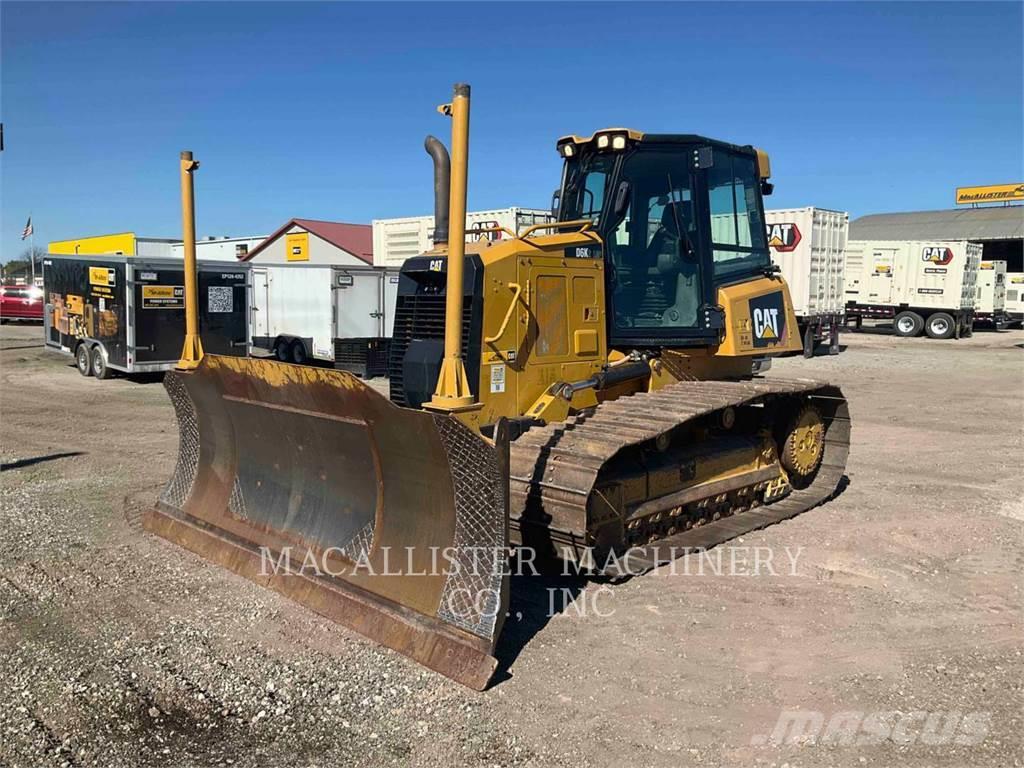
(390, 521)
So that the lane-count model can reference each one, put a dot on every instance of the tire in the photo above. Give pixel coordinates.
(100, 369)
(907, 324)
(83, 359)
(282, 352)
(940, 326)
(298, 353)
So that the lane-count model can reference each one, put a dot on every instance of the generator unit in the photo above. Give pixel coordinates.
(990, 305)
(921, 285)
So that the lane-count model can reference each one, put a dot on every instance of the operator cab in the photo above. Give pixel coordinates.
(679, 216)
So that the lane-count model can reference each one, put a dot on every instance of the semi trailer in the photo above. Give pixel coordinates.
(921, 286)
(338, 315)
(127, 313)
(809, 246)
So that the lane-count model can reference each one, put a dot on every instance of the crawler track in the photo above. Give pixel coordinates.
(554, 469)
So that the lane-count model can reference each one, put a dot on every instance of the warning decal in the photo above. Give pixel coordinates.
(497, 378)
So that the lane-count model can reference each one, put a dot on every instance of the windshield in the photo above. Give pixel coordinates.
(586, 179)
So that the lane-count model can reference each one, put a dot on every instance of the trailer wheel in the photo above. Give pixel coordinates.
(281, 352)
(298, 351)
(908, 324)
(100, 369)
(940, 326)
(83, 359)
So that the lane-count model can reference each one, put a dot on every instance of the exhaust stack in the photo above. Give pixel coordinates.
(192, 351)
(442, 187)
(453, 392)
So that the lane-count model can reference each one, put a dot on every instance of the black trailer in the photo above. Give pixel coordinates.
(127, 313)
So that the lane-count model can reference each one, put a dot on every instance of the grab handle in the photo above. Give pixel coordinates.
(508, 315)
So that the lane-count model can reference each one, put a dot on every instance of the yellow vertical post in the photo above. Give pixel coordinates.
(453, 391)
(192, 352)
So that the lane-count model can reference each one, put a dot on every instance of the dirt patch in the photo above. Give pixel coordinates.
(900, 599)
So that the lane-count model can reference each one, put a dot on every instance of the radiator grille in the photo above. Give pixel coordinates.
(419, 316)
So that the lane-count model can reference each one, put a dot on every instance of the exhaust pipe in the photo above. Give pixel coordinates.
(442, 187)
(453, 392)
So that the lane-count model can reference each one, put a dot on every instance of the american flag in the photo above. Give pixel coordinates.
(28, 229)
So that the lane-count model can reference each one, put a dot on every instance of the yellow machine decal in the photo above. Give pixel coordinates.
(297, 246)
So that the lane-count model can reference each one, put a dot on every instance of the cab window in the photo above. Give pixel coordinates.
(737, 230)
(655, 269)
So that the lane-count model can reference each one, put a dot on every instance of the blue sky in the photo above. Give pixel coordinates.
(319, 110)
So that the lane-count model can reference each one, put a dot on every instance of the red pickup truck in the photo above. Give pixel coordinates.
(21, 302)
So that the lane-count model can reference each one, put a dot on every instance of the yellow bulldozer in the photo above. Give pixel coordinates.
(582, 390)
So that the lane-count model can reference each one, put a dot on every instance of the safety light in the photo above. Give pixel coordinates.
(603, 141)
(618, 142)
(568, 150)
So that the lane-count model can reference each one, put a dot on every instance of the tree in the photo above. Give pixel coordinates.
(22, 266)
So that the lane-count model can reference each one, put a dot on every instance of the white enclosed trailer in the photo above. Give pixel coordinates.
(395, 240)
(990, 305)
(809, 247)
(921, 285)
(1015, 297)
(338, 315)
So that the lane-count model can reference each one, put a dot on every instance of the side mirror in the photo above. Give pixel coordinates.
(621, 200)
(766, 188)
(556, 202)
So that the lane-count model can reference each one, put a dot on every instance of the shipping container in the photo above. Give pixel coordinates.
(338, 315)
(990, 305)
(1015, 297)
(809, 247)
(395, 240)
(925, 285)
(127, 313)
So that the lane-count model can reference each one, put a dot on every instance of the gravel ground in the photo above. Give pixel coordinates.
(117, 648)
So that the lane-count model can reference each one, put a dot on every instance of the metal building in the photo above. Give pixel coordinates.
(1000, 230)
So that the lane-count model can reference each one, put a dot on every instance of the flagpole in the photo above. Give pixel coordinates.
(32, 250)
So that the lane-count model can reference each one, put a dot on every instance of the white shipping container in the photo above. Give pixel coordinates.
(395, 240)
(1015, 294)
(927, 275)
(809, 246)
(991, 288)
(318, 304)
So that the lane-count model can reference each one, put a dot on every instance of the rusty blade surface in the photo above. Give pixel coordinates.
(387, 520)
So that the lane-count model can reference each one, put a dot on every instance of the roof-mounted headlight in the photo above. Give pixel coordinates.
(567, 149)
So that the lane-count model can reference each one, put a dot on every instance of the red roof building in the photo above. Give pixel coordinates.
(316, 242)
